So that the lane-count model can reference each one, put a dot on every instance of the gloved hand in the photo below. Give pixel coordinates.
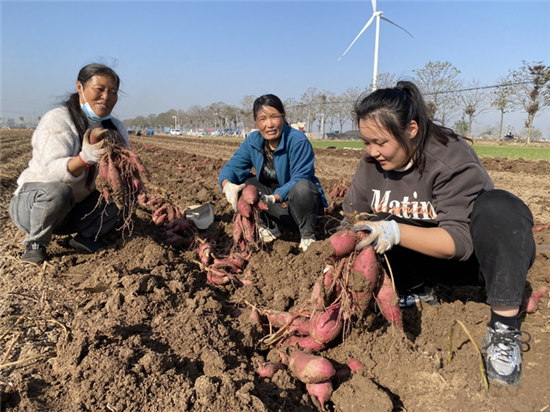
(231, 192)
(269, 199)
(91, 153)
(383, 235)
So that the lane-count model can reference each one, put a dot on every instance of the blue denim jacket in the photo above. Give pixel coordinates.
(293, 159)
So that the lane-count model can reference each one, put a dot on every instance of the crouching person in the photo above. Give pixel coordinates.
(285, 174)
(440, 219)
(56, 194)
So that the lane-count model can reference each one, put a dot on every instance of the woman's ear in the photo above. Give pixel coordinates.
(413, 129)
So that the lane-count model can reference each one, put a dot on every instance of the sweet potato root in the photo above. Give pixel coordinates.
(533, 300)
(250, 195)
(343, 242)
(322, 391)
(325, 326)
(310, 368)
(388, 302)
(268, 369)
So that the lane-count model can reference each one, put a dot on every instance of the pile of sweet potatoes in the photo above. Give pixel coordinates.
(349, 283)
(346, 287)
(227, 267)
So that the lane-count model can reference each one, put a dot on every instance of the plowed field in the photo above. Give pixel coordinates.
(138, 327)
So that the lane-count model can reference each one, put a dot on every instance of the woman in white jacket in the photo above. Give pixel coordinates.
(56, 194)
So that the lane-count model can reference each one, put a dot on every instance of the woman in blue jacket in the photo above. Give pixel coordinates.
(283, 159)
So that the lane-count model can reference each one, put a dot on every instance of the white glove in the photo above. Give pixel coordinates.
(231, 192)
(269, 200)
(91, 153)
(383, 235)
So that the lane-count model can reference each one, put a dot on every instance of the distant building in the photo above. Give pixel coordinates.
(298, 126)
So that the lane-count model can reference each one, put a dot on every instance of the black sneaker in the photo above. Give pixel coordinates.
(35, 253)
(422, 293)
(88, 244)
(502, 359)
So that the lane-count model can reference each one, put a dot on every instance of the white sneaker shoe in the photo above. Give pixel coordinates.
(305, 243)
(268, 235)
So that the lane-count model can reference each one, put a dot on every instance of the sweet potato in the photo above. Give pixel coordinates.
(297, 324)
(268, 369)
(205, 253)
(322, 391)
(310, 368)
(250, 234)
(244, 208)
(304, 342)
(343, 242)
(366, 263)
(354, 365)
(217, 277)
(388, 302)
(250, 194)
(328, 273)
(533, 300)
(325, 326)
(236, 260)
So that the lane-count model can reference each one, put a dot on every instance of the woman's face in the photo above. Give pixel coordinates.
(270, 123)
(100, 92)
(382, 146)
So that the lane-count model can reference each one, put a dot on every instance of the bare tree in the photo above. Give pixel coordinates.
(246, 105)
(501, 99)
(474, 100)
(216, 114)
(349, 97)
(196, 116)
(308, 99)
(384, 81)
(231, 114)
(331, 110)
(321, 101)
(295, 111)
(532, 91)
(438, 82)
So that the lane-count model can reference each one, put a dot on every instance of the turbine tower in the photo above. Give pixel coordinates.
(378, 15)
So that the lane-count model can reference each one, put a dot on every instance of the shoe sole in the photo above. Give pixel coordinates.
(80, 246)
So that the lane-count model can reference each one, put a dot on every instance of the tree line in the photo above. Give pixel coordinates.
(449, 97)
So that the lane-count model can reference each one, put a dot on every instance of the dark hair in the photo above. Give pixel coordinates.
(73, 104)
(268, 100)
(394, 108)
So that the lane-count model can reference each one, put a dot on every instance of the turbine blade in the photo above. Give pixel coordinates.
(360, 33)
(389, 21)
(374, 6)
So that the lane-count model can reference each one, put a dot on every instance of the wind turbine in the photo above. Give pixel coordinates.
(378, 15)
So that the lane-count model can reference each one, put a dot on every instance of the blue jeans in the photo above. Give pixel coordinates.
(304, 204)
(44, 208)
(504, 250)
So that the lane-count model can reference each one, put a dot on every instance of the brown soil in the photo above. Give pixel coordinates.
(138, 327)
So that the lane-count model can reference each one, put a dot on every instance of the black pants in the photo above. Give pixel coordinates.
(304, 204)
(504, 250)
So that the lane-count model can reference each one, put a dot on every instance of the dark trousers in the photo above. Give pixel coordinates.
(304, 204)
(504, 250)
(41, 209)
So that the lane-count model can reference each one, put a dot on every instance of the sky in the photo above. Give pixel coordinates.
(175, 54)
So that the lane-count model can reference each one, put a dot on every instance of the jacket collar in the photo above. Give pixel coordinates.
(259, 141)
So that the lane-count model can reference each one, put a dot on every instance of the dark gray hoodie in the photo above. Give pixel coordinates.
(443, 195)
